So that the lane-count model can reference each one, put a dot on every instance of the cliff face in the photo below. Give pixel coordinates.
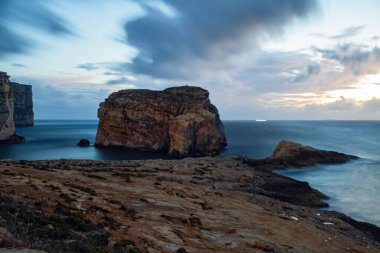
(180, 121)
(23, 105)
(7, 127)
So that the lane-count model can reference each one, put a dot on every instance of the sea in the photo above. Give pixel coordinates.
(353, 188)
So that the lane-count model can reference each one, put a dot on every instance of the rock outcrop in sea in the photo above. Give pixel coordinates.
(298, 155)
(291, 154)
(23, 105)
(179, 121)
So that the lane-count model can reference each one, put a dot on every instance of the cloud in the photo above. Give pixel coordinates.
(88, 66)
(358, 59)
(345, 109)
(311, 70)
(351, 31)
(122, 80)
(18, 65)
(17, 17)
(109, 73)
(191, 37)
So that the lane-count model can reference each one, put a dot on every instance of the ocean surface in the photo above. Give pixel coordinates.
(353, 188)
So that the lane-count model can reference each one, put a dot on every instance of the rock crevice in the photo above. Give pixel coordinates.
(179, 121)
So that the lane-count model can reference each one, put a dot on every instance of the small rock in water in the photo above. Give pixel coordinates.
(83, 143)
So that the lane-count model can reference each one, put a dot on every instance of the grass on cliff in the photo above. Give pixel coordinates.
(62, 231)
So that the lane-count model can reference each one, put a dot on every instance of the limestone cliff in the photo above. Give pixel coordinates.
(179, 121)
(7, 127)
(23, 105)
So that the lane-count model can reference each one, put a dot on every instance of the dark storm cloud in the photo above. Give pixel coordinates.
(11, 42)
(15, 15)
(197, 31)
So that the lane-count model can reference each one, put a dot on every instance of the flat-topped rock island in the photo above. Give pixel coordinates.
(180, 121)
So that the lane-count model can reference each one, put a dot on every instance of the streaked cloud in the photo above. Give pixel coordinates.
(203, 34)
(346, 33)
(256, 58)
(18, 65)
(34, 15)
(122, 80)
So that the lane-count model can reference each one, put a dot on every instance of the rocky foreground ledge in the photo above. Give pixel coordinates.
(209, 204)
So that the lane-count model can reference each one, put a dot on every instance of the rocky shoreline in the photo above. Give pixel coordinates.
(208, 204)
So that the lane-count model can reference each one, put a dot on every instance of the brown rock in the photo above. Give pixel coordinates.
(7, 239)
(172, 217)
(7, 126)
(83, 143)
(179, 121)
(301, 156)
(289, 154)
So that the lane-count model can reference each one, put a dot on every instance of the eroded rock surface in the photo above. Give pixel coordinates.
(180, 121)
(23, 105)
(7, 127)
(204, 205)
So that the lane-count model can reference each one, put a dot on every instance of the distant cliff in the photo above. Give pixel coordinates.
(23, 105)
(179, 121)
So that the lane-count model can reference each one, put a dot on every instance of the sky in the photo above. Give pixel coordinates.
(273, 59)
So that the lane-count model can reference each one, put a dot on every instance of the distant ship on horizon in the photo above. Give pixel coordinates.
(261, 120)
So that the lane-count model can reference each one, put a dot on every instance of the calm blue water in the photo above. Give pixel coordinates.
(354, 188)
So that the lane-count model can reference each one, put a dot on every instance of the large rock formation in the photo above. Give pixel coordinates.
(179, 121)
(7, 127)
(23, 105)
